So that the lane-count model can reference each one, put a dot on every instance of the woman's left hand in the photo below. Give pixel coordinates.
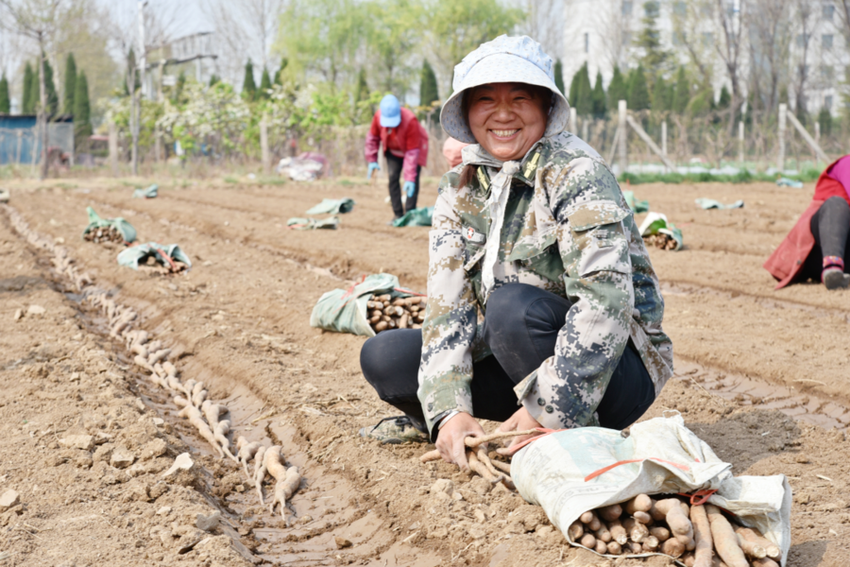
(521, 420)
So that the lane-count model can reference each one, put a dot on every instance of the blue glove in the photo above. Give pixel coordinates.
(409, 188)
(372, 167)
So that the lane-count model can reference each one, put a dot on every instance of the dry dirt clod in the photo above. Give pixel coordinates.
(83, 442)
(208, 523)
(121, 458)
(9, 499)
(341, 542)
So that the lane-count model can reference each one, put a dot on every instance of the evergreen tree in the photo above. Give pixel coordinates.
(616, 90)
(278, 76)
(659, 95)
(50, 89)
(362, 86)
(428, 92)
(214, 79)
(249, 87)
(824, 119)
(131, 63)
(178, 86)
(638, 96)
(70, 84)
(26, 98)
(35, 91)
(725, 99)
(559, 75)
(5, 102)
(265, 85)
(598, 97)
(670, 95)
(654, 57)
(581, 93)
(683, 92)
(82, 112)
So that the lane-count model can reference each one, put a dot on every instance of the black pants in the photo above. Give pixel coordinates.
(831, 229)
(521, 328)
(395, 166)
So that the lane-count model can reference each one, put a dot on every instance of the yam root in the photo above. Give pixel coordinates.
(194, 416)
(245, 451)
(288, 480)
(704, 548)
(750, 534)
(673, 547)
(588, 540)
(610, 513)
(641, 503)
(259, 471)
(725, 539)
(662, 533)
(765, 562)
(603, 534)
(601, 547)
(642, 517)
(575, 531)
(618, 532)
(614, 548)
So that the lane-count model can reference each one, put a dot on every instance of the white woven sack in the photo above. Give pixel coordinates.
(662, 457)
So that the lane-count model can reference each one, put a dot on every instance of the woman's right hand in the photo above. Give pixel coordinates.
(450, 439)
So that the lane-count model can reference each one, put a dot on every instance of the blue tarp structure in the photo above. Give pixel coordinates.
(18, 140)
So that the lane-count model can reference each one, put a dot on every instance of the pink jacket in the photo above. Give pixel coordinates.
(408, 140)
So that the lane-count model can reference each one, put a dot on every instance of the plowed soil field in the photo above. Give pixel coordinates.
(86, 437)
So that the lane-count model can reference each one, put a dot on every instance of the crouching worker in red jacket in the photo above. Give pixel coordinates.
(404, 142)
(818, 247)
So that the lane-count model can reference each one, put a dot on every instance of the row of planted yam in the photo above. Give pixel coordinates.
(698, 535)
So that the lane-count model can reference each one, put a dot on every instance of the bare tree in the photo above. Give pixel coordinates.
(35, 19)
(245, 29)
(545, 23)
(770, 42)
(807, 22)
(616, 28)
(730, 50)
(137, 36)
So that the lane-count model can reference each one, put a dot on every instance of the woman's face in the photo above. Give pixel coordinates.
(506, 118)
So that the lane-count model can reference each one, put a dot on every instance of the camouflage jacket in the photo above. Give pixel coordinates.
(567, 229)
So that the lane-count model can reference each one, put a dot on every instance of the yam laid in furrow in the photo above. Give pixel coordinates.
(385, 312)
(104, 234)
(699, 535)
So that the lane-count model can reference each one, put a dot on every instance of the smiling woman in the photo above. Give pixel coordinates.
(543, 307)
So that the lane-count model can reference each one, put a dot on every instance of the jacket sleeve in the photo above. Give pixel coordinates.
(594, 247)
(412, 142)
(445, 371)
(373, 140)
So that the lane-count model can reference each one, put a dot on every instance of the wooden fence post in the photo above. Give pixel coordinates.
(812, 144)
(780, 159)
(623, 160)
(664, 137)
(113, 149)
(264, 146)
(652, 146)
(741, 142)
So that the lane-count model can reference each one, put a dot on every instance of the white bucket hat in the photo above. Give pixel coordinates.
(504, 60)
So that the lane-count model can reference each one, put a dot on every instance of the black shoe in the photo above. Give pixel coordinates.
(835, 278)
(395, 430)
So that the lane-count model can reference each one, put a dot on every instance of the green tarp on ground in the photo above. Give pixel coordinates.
(712, 204)
(657, 223)
(415, 217)
(300, 223)
(332, 207)
(146, 193)
(135, 254)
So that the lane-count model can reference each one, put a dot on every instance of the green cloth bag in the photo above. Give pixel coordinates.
(655, 223)
(332, 207)
(95, 222)
(131, 257)
(147, 193)
(712, 204)
(415, 217)
(636, 206)
(344, 310)
(299, 223)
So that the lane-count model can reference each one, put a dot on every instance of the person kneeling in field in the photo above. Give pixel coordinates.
(818, 247)
(532, 232)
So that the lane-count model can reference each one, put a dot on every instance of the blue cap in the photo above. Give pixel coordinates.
(390, 112)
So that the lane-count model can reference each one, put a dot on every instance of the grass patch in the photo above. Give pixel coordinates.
(744, 176)
(271, 181)
(231, 180)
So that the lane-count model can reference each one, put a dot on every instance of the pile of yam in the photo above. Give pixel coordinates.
(699, 535)
(104, 234)
(660, 240)
(170, 267)
(384, 312)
